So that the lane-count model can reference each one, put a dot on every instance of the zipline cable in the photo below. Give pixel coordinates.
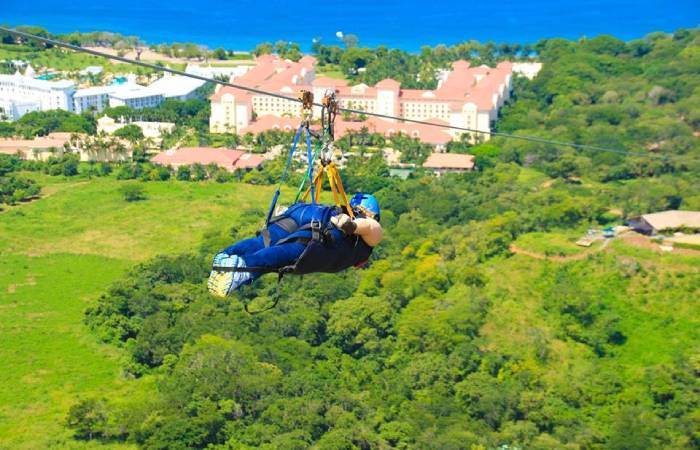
(160, 68)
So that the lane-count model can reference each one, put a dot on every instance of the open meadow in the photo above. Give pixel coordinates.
(57, 255)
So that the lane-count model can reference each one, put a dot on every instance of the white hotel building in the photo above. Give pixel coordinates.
(21, 94)
(136, 96)
(93, 98)
(466, 96)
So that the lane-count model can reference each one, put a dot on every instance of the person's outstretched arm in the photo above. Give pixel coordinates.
(368, 229)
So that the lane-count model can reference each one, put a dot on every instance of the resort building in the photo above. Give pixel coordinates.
(20, 94)
(151, 130)
(666, 221)
(210, 71)
(228, 159)
(442, 163)
(42, 148)
(96, 98)
(177, 87)
(38, 148)
(467, 97)
(429, 134)
(135, 97)
(233, 109)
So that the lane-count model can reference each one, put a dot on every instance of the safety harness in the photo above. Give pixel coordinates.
(320, 232)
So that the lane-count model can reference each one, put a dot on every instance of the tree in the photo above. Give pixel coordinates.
(219, 53)
(88, 418)
(350, 40)
(264, 48)
(131, 133)
(133, 192)
(355, 58)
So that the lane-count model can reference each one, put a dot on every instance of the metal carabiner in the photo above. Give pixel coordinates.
(307, 104)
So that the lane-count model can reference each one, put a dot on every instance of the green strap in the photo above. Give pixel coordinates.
(319, 145)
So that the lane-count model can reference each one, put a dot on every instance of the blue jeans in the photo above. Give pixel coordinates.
(255, 254)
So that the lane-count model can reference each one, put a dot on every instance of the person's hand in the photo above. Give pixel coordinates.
(344, 223)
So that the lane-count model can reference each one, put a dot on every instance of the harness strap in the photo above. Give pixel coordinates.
(302, 185)
(315, 230)
(285, 222)
(310, 157)
(275, 301)
(318, 233)
(333, 173)
(265, 233)
(336, 183)
(284, 173)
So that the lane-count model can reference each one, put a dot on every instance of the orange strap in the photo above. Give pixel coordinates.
(340, 198)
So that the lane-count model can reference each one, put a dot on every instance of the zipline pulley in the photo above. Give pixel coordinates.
(329, 110)
(328, 113)
(307, 105)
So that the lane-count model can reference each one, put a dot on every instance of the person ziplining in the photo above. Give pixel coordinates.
(306, 237)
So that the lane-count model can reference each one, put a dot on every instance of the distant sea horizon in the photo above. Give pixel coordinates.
(408, 25)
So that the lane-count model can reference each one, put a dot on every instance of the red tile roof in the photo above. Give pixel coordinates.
(388, 83)
(449, 161)
(249, 161)
(222, 157)
(271, 73)
(270, 122)
(480, 85)
(426, 133)
(53, 140)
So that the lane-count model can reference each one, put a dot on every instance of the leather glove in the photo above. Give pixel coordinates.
(344, 223)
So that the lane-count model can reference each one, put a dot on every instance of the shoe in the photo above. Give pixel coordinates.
(222, 282)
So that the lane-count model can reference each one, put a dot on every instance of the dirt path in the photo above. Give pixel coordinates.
(578, 256)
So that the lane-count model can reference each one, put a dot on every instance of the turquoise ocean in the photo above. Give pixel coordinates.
(240, 24)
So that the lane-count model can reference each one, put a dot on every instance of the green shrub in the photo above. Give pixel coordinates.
(184, 173)
(133, 192)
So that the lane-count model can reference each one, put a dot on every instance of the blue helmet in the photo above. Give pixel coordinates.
(367, 202)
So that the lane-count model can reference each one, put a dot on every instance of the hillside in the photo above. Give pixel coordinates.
(87, 240)
(448, 340)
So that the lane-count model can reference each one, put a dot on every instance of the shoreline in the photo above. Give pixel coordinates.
(246, 42)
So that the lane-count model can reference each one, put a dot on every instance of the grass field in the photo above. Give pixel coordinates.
(58, 59)
(92, 218)
(331, 71)
(560, 243)
(57, 255)
(656, 306)
(50, 359)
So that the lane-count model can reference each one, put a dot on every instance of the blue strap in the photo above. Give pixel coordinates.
(284, 173)
(310, 174)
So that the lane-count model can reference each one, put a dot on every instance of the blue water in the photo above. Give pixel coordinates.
(405, 24)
